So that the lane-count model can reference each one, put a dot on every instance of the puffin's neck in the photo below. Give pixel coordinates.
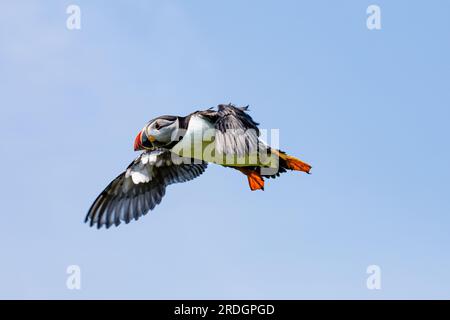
(183, 122)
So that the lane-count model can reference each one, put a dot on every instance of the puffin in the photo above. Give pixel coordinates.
(176, 149)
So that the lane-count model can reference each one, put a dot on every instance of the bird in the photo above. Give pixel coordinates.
(177, 149)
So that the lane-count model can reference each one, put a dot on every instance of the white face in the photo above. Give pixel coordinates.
(162, 130)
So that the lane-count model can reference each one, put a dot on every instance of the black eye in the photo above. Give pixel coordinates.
(157, 126)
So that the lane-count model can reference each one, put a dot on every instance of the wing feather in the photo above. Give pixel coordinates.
(141, 187)
(237, 133)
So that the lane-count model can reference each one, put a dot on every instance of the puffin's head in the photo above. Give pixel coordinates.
(158, 132)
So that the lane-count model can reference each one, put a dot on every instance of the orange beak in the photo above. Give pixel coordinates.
(142, 142)
(138, 142)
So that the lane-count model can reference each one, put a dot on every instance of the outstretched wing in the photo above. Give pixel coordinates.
(141, 187)
(236, 132)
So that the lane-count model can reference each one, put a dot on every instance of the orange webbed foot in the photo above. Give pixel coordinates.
(255, 181)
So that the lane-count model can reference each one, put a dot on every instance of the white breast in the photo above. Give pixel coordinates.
(198, 139)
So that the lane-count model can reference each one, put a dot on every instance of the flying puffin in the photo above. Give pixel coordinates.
(178, 149)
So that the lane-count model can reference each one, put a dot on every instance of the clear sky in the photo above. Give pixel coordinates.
(368, 109)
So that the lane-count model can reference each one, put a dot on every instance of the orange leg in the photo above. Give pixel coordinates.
(255, 181)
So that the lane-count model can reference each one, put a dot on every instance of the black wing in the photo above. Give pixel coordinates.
(141, 187)
(237, 133)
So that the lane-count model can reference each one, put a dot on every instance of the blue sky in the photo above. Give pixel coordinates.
(368, 109)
